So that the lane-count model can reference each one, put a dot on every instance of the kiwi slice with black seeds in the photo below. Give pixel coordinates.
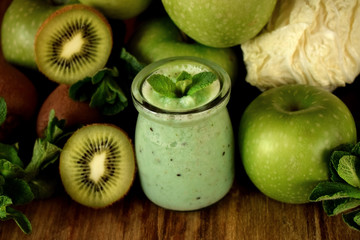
(97, 165)
(73, 43)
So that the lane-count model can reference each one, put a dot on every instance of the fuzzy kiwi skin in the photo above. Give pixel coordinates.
(132, 177)
(21, 98)
(19, 26)
(74, 112)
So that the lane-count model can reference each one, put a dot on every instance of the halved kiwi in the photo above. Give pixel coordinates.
(97, 165)
(73, 43)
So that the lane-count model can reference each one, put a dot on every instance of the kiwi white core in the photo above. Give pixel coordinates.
(97, 166)
(73, 46)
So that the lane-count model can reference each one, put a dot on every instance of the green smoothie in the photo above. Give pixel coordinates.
(184, 145)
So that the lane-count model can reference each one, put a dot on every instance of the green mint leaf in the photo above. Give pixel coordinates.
(10, 153)
(183, 86)
(337, 206)
(3, 110)
(101, 96)
(8, 213)
(10, 170)
(21, 220)
(54, 130)
(109, 96)
(102, 91)
(129, 64)
(347, 169)
(334, 163)
(44, 187)
(352, 219)
(333, 190)
(18, 190)
(41, 171)
(119, 102)
(163, 85)
(5, 201)
(355, 150)
(200, 81)
(183, 82)
(183, 76)
(44, 153)
(81, 90)
(100, 75)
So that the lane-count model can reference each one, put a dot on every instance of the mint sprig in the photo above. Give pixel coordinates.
(341, 194)
(184, 84)
(23, 181)
(106, 90)
(102, 91)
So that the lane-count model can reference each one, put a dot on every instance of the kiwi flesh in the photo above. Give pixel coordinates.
(97, 165)
(73, 43)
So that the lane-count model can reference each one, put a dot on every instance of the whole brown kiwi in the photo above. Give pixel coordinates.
(73, 112)
(21, 98)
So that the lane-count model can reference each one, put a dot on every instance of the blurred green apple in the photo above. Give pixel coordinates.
(119, 9)
(224, 23)
(158, 37)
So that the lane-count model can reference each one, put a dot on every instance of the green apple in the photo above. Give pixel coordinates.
(158, 38)
(20, 24)
(220, 23)
(119, 9)
(286, 135)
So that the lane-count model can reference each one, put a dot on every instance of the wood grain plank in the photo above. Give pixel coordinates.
(243, 214)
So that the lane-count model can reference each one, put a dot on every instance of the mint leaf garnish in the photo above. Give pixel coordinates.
(184, 84)
(183, 76)
(163, 85)
(200, 81)
(341, 194)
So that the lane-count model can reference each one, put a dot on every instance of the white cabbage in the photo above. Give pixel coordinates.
(315, 42)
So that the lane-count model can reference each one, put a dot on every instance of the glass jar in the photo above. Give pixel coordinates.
(185, 156)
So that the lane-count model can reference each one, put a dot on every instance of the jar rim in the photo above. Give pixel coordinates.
(221, 98)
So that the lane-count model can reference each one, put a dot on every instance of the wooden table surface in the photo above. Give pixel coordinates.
(244, 213)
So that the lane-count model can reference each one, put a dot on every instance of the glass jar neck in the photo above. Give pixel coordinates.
(144, 106)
